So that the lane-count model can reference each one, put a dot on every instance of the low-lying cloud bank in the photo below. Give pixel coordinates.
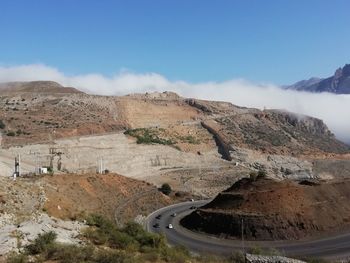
(333, 109)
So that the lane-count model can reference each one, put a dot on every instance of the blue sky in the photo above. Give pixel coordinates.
(192, 40)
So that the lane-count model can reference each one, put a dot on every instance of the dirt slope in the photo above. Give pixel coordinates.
(72, 196)
(275, 210)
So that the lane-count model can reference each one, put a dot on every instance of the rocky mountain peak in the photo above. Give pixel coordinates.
(339, 83)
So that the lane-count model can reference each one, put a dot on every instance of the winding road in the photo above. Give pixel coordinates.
(332, 247)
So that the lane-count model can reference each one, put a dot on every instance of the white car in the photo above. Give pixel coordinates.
(170, 226)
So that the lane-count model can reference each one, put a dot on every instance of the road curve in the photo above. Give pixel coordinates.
(332, 247)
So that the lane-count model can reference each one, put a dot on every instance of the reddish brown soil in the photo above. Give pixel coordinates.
(72, 195)
(275, 210)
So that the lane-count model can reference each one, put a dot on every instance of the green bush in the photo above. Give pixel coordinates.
(147, 136)
(128, 244)
(165, 189)
(42, 243)
(144, 238)
(121, 240)
(178, 254)
(96, 236)
(70, 253)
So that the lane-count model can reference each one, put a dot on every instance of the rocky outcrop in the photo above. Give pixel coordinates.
(224, 147)
(250, 258)
(302, 122)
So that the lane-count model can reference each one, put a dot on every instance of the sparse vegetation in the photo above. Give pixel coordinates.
(264, 251)
(42, 243)
(14, 257)
(189, 139)
(106, 243)
(147, 136)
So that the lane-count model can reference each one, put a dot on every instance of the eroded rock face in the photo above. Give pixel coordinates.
(271, 210)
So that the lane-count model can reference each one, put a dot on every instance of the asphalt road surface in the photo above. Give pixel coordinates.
(332, 247)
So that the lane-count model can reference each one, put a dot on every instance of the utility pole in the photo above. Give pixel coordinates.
(17, 167)
(242, 226)
(100, 165)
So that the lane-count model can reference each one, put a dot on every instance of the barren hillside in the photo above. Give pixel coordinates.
(43, 111)
(274, 210)
(160, 137)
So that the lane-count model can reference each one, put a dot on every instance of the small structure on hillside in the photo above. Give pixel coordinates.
(43, 170)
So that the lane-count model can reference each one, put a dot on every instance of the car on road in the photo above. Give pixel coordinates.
(174, 214)
(170, 226)
(193, 207)
(156, 225)
(158, 216)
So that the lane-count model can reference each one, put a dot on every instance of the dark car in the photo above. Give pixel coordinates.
(158, 216)
(156, 225)
(193, 207)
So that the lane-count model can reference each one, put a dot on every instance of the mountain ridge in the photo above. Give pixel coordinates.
(339, 83)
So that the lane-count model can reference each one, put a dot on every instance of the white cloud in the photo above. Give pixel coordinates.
(333, 109)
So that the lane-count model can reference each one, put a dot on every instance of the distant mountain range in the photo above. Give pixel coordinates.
(339, 83)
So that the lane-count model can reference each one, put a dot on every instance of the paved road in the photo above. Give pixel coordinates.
(331, 247)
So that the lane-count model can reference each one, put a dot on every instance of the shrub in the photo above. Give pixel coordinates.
(16, 258)
(175, 254)
(190, 139)
(96, 236)
(262, 174)
(2, 125)
(253, 176)
(70, 253)
(41, 243)
(264, 251)
(120, 240)
(147, 136)
(110, 257)
(10, 133)
(100, 222)
(237, 257)
(288, 171)
(165, 189)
